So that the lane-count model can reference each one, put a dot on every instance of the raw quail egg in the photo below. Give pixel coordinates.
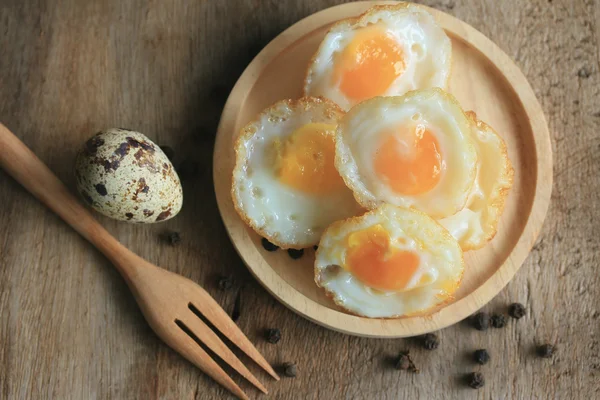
(124, 175)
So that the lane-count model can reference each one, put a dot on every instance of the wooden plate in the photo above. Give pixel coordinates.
(485, 80)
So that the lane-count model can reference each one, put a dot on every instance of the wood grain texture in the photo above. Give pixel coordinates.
(166, 299)
(70, 68)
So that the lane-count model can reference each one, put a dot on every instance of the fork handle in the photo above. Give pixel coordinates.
(27, 169)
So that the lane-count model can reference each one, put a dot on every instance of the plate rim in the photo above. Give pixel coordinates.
(448, 315)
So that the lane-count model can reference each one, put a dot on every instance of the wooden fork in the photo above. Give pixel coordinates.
(167, 300)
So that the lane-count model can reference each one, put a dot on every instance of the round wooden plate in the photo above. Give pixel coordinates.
(485, 80)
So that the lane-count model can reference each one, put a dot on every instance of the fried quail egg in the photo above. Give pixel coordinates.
(285, 185)
(387, 51)
(388, 262)
(477, 223)
(413, 151)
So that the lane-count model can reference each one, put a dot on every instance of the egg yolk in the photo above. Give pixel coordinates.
(410, 162)
(369, 64)
(305, 159)
(371, 259)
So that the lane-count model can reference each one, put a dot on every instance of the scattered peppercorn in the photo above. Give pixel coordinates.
(172, 237)
(268, 246)
(225, 282)
(405, 363)
(290, 370)
(481, 321)
(498, 321)
(584, 73)
(546, 350)
(169, 152)
(273, 335)
(516, 310)
(481, 356)
(475, 380)
(430, 341)
(295, 254)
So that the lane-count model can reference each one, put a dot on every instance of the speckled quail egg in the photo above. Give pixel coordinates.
(124, 175)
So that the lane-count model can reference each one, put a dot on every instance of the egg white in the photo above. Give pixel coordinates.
(287, 217)
(426, 47)
(358, 139)
(441, 259)
(477, 223)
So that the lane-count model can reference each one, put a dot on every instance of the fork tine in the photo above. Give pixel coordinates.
(210, 339)
(219, 318)
(188, 348)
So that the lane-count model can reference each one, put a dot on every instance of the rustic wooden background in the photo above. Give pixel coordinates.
(69, 329)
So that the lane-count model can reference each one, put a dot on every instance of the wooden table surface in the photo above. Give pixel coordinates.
(69, 328)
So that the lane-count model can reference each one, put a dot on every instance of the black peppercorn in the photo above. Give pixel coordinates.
(295, 254)
(273, 335)
(481, 356)
(173, 238)
(584, 73)
(268, 246)
(498, 321)
(290, 370)
(403, 362)
(546, 350)
(316, 247)
(475, 380)
(225, 282)
(430, 341)
(516, 310)
(480, 321)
